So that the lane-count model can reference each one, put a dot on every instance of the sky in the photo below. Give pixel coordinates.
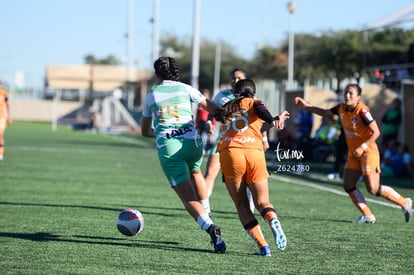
(35, 33)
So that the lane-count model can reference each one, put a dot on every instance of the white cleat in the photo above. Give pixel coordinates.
(365, 219)
(278, 234)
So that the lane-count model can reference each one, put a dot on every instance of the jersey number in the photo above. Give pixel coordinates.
(169, 112)
(239, 122)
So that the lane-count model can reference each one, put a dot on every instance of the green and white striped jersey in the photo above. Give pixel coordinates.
(169, 106)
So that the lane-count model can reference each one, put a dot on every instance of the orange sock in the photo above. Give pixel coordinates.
(256, 234)
(392, 195)
(359, 201)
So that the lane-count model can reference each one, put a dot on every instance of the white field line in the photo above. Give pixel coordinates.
(64, 150)
(327, 189)
(49, 149)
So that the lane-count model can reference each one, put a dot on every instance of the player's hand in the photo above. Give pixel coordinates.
(265, 145)
(280, 123)
(359, 152)
(9, 121)
(284, 115)
(301, 101)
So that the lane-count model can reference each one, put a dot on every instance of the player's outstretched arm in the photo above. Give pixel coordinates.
(309, 107)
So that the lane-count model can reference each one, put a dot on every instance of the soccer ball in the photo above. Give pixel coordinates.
(130, 222)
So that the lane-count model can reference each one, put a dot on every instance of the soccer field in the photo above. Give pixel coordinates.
(60, 194)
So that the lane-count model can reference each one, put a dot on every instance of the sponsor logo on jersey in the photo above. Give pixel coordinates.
(178, 132)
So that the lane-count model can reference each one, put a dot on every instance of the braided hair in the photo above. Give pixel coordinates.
(167, 68)
(243, 88)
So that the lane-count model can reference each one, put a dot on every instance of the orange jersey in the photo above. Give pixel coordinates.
(242, 128)
(355, 125)
(3, 100)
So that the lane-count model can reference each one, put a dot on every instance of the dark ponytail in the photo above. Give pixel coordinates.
(243, 88)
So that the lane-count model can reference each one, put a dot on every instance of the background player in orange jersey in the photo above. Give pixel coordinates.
(243, 162)
(4, 112)
(361, 132)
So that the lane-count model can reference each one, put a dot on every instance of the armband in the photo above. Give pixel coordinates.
(209, 122)
(264, 139)
(364, 146)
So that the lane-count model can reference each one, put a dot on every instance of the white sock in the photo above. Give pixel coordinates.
(204, 221)
(206, 205)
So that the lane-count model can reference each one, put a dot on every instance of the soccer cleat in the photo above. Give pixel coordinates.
(215, 234)
(408, 209)
(333, 176)
(365, 219)
(265, 251)
(278, 234)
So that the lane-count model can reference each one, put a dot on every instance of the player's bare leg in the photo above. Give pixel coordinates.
(373, 185)
(201, 189)
(212, 170)
(351, 178)
(185, 191)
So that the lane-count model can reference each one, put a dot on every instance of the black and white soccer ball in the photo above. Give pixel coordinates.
(130, 222)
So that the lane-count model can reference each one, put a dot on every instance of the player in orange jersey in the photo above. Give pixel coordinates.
(213, 161)
(361, 132)
(4, 112)
(243, 162)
